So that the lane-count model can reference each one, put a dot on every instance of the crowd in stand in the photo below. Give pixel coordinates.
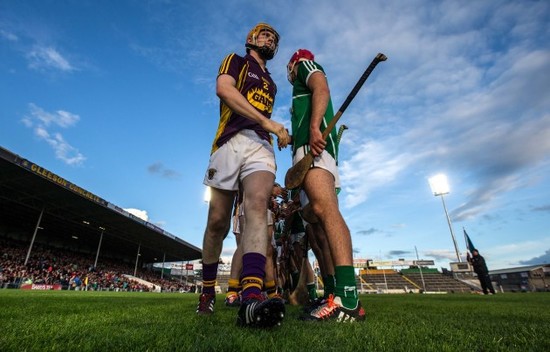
(74, 271)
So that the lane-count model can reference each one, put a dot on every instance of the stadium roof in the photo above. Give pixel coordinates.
(75, 218)
(521, 269)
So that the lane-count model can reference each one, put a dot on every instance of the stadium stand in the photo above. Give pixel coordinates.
(51, 268)
(388, 281)
(46, 220)
(35, 202)
(532, 278)
(434, 281)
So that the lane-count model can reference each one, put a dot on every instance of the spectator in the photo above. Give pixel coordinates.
(480, 268)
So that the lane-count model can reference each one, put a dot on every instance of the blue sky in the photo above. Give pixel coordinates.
(118, 97)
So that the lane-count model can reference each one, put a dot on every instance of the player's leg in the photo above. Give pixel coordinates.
(270, 284)
(310, 282)
(234, 284)
(319, 187)
(217, 227)
(257, 188)
(321, 249)
(345, 306)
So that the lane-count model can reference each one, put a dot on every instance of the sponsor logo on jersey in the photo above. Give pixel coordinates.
(260, 99)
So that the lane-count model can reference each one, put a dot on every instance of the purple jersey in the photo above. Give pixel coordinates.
(256, 86)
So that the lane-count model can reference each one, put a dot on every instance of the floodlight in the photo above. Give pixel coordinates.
(439, 184)
(440, 187)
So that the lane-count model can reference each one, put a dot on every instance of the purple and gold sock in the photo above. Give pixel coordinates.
(209, 273)
(252, 276)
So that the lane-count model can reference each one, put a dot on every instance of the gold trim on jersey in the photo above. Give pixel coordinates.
(225, 111)
(225, 64)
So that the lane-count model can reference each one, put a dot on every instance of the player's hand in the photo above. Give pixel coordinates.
(279, 191)
(316, 142)
(283, 138)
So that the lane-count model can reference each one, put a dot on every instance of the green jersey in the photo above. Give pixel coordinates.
(301, 110)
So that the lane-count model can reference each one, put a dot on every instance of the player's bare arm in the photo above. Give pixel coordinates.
(318, 85)
(226, 90)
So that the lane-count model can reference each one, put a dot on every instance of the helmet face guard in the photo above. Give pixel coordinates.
(266, 52)
(299, 56)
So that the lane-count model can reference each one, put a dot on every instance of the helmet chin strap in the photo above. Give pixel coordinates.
(264, 51)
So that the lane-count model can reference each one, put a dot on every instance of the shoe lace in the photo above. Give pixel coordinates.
(326, 309)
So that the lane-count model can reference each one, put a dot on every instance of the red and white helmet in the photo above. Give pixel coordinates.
(298, 56)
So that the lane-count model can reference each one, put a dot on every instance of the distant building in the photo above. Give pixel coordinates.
(526, 278)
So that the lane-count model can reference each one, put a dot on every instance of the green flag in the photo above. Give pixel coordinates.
(469, 245)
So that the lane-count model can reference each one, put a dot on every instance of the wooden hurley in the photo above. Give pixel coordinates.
(296, 174)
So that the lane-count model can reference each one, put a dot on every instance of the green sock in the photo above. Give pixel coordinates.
(346, 286)
(328, 283)
(311, 290)
(295, 276)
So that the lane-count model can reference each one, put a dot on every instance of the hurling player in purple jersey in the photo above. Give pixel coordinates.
(242, 156)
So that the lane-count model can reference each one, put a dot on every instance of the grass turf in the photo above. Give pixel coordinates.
(116, 321)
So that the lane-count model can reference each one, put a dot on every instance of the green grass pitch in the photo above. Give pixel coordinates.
(116, 321)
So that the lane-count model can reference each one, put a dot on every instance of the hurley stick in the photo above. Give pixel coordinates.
(295, 175)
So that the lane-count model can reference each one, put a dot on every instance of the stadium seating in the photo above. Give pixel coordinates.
(53, 267)
(434, 281)
(386, 281)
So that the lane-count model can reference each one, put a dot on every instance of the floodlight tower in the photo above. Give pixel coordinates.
(440, 187)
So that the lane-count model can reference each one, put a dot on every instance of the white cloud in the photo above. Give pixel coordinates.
(473, 114)
(64, 151)
(372, 165)
(60, 118)
(8, 36)
(42, 121)
(441, 254)
(142, 214)
(46, 58)
(514, 254)
(541, 259)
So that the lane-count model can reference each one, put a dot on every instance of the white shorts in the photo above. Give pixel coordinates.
(236, 225)
(242, 155)
(323, 161)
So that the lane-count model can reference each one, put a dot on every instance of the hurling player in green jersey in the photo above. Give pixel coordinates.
(311, 112)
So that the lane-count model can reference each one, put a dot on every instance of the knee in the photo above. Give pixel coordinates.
(254, 203)
(319, 210)
(218, 227)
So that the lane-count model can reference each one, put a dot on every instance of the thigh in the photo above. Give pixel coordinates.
(257, 155)
(257, 188)
(220, 207)
(324, 161)
(320, 189)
